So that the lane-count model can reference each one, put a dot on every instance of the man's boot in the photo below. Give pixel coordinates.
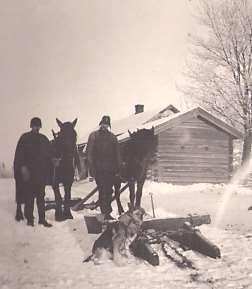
(19, 214)
(58, 212)
(30, 223)
(44, 223)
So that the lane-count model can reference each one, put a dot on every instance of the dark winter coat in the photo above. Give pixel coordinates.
(32, 151)
(103, 152)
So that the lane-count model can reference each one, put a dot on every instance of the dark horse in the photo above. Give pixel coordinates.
(137, 154)
(64, 158)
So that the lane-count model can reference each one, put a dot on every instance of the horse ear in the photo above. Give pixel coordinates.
(74, 122)
(54, 134)
(153, 130)
(130, 134)
(60, 124)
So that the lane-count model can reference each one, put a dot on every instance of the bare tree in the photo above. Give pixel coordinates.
(220, 69)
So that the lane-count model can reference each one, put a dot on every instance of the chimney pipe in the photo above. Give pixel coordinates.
(139, 108)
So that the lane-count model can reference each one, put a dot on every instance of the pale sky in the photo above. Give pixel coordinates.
(86, 58)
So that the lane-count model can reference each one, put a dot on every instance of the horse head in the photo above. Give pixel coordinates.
(67, 136)
(142, 141)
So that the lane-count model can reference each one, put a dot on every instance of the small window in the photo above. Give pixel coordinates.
(206, 148)
(182, 147)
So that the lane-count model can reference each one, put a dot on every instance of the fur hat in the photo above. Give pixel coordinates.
(35, 121)
(105, 120)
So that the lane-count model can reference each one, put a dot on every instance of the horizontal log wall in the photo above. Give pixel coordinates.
(194, 152)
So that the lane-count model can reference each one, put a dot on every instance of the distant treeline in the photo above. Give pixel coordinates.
(5, 172)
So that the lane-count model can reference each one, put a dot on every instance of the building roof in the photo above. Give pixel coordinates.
(173, 120)
(163, 119)
(134, 121)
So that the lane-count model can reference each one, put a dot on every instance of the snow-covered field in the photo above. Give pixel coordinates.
(52, 258)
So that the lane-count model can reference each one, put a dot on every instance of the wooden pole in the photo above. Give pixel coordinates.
(152, 205)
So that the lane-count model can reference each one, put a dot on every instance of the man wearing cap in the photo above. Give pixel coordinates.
(104, 163)
(30, 165)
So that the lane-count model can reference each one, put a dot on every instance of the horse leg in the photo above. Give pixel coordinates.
(67, 202)
(117, 187)
(19, 214)
(132, 192)
(58, 202)
(139, 192)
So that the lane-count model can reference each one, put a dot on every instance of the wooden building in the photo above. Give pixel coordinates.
(192, 147)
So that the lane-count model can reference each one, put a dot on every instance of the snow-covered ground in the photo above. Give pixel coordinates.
(52, 258)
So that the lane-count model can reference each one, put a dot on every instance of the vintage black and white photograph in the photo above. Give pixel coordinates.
(126, 138)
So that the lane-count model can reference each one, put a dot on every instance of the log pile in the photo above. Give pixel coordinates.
(175, 235)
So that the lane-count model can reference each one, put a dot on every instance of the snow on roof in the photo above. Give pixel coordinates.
(156, 123)
(173, 119)
(154, 118)
(134, 121)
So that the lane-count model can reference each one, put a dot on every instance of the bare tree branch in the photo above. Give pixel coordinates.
(220, 70)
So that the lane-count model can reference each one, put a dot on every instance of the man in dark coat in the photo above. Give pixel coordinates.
(30, 165)
(104, 163)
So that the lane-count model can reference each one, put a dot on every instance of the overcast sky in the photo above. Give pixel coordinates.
(80, 58)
